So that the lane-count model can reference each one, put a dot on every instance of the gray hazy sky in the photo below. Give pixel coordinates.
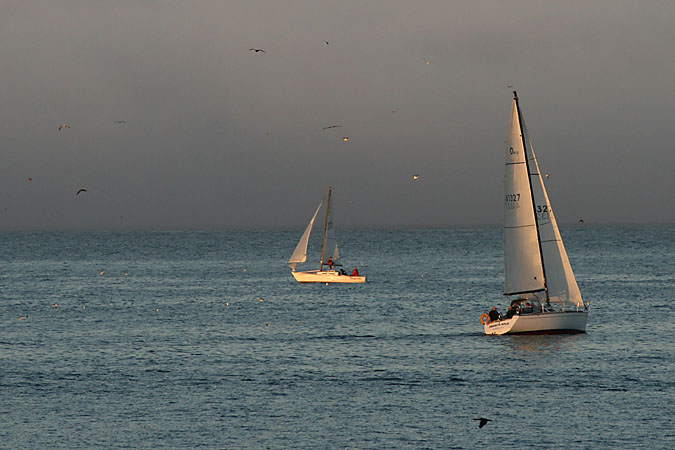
(217, 136)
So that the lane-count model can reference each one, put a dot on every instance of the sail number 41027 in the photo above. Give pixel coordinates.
(512, 201)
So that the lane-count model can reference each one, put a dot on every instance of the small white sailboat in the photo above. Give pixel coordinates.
(537, 270)
(330, 254)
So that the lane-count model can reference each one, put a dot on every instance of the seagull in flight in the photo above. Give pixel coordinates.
(332, 126)
(81, 190)
(483, 422)
(63, 125)
(257, 50)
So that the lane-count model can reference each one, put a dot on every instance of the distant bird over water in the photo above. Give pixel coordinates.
(416, 177)
(332, 126)
(345, 138)
(483, 422)
(257, 50)
(120, 121)
(63, 125)
(81, 190)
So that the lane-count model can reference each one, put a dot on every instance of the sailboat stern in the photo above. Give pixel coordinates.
(559, 322)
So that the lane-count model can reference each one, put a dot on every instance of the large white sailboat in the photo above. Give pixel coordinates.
(330, 255)
(537, 270)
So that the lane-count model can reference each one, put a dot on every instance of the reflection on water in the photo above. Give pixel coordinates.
(540, 343)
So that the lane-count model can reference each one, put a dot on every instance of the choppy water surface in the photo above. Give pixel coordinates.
(171, 346)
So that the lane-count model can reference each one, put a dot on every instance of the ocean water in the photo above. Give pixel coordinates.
(204, 340)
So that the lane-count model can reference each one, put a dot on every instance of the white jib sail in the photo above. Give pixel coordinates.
(523, 271)
(560, 281)
(300, 253)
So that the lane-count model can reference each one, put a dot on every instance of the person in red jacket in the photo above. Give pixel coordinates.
(355, 273)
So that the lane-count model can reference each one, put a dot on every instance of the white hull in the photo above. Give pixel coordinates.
(326, 276)
(545, 323)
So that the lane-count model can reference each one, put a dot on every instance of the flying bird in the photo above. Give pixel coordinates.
(548, 176)
(81, 190)
(581, 220)
(257, 50)
(63, 125)
(30, 179)
(325, 42)
(483, 422)
(332, 126)
(345, 138)
(416, 177)
(120, 121)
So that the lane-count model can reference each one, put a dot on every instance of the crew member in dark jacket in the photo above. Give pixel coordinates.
(510, 313)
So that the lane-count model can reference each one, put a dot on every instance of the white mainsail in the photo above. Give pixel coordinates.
(300, 253)
(534, 255)
(523, 272)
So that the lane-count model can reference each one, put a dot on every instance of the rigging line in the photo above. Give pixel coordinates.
(325, 228)
(524, 292)
(520, 226)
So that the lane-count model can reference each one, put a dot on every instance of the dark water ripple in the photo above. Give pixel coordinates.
(170, 347)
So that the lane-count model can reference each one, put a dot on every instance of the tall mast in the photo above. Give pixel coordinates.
(534, 206)
(325, 227)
